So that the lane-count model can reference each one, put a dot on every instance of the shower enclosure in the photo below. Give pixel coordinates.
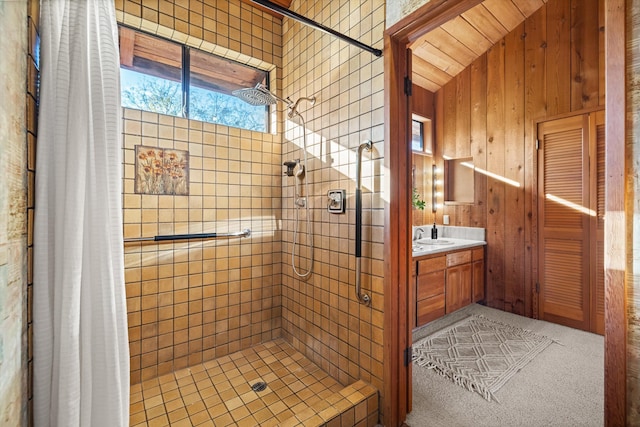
(229, 314)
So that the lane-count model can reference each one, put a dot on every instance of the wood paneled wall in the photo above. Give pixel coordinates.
(550, 65)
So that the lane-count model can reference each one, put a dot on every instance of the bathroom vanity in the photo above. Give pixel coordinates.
(447, 274)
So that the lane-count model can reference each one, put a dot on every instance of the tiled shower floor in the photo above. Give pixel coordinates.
(219, 393)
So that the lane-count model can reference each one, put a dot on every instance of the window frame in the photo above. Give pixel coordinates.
(185, 79)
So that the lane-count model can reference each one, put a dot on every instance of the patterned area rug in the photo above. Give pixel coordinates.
(478, 353)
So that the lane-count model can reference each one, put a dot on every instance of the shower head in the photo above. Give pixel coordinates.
(258, 95)
(293, 109)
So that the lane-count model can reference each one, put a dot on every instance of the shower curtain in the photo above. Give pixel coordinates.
(81, 353)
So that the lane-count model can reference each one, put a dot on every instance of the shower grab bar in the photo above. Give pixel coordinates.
(205, 236)
(364, 299)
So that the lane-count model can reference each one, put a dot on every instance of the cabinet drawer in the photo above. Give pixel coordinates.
(431, 264)
(429, 309)
(430, 284)
(458, 258)
(478, 254)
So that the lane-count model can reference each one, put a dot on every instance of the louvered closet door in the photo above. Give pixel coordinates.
(563, 215)
(597, 170)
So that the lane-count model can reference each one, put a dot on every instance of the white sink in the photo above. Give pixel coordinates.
(434, 242)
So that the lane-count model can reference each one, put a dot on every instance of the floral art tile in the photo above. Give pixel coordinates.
(162, 171)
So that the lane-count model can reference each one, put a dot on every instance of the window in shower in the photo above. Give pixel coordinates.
(150, 73)
(165, 77)
(211, 81)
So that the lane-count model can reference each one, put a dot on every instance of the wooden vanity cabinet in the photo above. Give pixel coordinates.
(447, 282)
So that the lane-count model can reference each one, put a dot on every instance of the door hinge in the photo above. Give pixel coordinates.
(407, 356)
(537, 287)
(408, 86)
(537, 144)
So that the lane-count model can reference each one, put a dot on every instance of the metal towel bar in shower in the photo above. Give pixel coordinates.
(204, 236)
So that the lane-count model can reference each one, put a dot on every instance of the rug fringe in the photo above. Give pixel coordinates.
(457, 379)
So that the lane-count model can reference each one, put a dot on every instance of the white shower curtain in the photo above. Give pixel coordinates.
(81, 352)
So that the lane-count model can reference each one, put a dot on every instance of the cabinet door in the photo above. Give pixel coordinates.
(478, 280)
(458, 287)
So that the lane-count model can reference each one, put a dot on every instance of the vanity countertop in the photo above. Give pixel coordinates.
(446, 244)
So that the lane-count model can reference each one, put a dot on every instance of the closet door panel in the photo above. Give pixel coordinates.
(563, 194)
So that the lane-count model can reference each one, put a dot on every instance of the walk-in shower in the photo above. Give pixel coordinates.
(260, 95)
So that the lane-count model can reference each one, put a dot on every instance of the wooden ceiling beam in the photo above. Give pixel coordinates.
(127, 43)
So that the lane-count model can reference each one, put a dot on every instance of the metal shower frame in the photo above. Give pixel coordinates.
(291, 14)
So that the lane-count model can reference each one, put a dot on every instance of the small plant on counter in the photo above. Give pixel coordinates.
(417, 202)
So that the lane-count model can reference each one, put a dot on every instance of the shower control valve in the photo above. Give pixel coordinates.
(336, 201)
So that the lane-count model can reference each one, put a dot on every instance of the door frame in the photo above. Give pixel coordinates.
(396, 384)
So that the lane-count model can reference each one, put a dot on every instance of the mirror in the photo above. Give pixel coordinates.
(459, 181)
(422, 203)
(422, 146)
(422, 108)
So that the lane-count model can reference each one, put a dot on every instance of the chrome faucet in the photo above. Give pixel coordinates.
(418, 233)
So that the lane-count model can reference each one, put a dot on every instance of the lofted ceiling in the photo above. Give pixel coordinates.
(441, 54)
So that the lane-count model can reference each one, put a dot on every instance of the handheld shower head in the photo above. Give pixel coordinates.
(293, 109)
(299, 173)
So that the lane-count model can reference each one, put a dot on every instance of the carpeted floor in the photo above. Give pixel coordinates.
(561, 386)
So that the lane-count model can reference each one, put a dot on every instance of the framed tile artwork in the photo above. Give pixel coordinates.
(162, 171)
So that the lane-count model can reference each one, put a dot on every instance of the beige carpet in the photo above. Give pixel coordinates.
(561, 386)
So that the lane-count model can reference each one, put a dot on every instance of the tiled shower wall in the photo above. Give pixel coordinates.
(321, 315)
(189, 302)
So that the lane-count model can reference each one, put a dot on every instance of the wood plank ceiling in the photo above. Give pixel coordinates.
(441, 54)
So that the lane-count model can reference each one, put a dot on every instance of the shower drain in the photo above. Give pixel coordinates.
(259, 386)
